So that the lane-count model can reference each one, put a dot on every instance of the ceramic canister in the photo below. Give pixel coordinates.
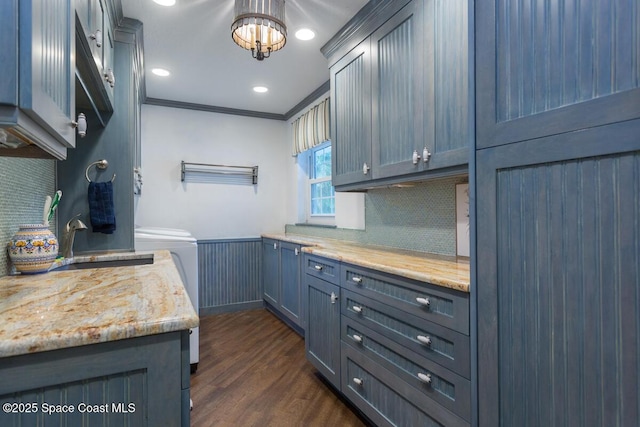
(33, 248)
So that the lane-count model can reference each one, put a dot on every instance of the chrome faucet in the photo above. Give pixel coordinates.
(69, 235)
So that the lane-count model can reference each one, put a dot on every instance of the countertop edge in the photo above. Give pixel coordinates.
(168, 307)
(330, 248)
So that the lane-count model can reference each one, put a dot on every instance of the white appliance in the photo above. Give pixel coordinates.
(184, 250)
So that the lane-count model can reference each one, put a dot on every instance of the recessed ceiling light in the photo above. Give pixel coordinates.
(260, 89)
(165, 2)
(160, 72)
(305, 34)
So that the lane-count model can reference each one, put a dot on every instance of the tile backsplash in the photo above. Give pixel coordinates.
(24, 184)
(420, 218)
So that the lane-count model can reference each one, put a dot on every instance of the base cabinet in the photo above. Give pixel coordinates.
(282, 290)
(398, 349)
(125, 382)
(322, 338)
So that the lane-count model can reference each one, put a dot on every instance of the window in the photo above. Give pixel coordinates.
(322, 200)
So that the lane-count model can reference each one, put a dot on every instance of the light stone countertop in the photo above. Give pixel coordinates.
(70, 308)
(447, 271)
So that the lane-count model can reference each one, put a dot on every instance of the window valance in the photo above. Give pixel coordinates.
(312, 128)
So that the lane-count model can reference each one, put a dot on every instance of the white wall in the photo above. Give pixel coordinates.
(213, 211)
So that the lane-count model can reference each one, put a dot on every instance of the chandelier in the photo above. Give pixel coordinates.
(259, 26)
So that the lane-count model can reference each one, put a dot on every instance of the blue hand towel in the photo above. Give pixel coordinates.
(101, 210)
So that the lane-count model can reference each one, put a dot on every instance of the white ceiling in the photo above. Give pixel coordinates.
(193, 40)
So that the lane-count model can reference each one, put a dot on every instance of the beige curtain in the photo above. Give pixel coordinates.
(312, 128)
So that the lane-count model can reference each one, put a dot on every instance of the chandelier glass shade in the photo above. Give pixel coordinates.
(259, 26)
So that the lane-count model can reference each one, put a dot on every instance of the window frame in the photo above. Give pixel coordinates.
(323, 219)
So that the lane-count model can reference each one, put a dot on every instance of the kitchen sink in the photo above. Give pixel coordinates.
(81, 265)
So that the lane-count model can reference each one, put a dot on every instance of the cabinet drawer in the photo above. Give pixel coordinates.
(444, 306)
(442, 345)
(325, 269)
(440, 384)
(386, 399)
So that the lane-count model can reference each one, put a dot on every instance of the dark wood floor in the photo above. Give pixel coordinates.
(253, 372)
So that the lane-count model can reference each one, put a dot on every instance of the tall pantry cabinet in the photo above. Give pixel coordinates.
(557, 168)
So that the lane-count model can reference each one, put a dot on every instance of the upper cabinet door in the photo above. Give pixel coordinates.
(108, 46)
(448, 82)
(47, 67)
(396, 58)
(351, 116)
(546, 68)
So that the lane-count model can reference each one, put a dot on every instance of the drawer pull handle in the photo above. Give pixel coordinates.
(356, 338)
(318, 267)
(275, 246)
(357, 309)
(425, 378)
(423, 301)
(334, 298)
(358, 381)
(424, 340)
(296, 251)
(358, 280)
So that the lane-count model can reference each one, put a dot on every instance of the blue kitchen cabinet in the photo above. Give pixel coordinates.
(95, 45)
(448, 85)
(351, 117)
(322, 335)
(398, 102)
(282, 290)
(37, 97)
(397, 348)
(123, 382)
(557, 182)
(290, 284)
(406, 342)
(270, 270)
(401, 102)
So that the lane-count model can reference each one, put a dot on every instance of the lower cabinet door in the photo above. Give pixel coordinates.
(271, 270)
(386, 399)
(322, 335)
(290, 263)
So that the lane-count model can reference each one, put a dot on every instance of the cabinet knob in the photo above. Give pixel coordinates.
(97, 36)
(318, 267)
(296, 251)
(81, 125)
(110, 77)
(425, 378)
(275, 246)
(358, 381)
(426, 155)
(357, 309)
(334, 298)
(423, 301)
(356, 338)
(356, 279)
(426, 340)
(365, 169)
(415, 157)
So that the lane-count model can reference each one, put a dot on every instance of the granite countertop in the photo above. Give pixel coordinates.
(447, 271)
(69, 308)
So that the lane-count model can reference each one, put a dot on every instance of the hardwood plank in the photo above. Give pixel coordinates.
(253, 372)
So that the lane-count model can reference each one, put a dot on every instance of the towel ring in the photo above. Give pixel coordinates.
(100, 164)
